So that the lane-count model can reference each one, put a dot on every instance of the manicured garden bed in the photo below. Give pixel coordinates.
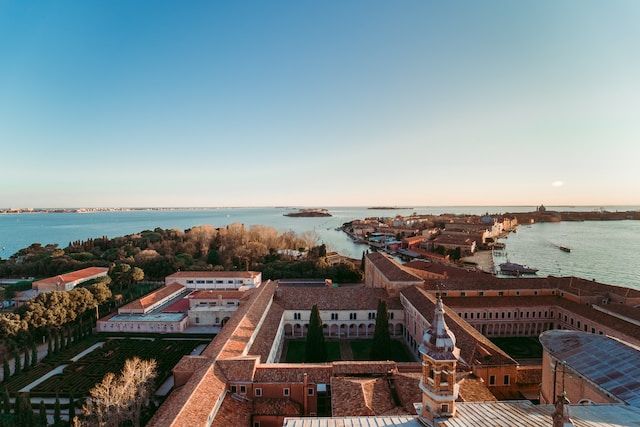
(362, 350)
(295, 351)
(520, 347)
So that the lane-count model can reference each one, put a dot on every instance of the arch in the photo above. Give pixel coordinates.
(334, 330)
(397, 329)
(288, 330)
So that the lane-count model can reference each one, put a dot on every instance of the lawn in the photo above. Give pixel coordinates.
(362, 349)
(520, 347)
(295, 351)
(79, 377)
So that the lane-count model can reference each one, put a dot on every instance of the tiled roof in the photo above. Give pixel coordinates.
(62, 279)
(407, 387)
(627, 311)
(353, 396)
(214, 274)
(344, 298)
(363, 367)
(238, 369)
(472, 343)
(442, 269)
(266, 335)
(391, 269)
(153, 297)
(293, 373)
(180, 306)
(282, 406)
(232, 412)
(474, 389)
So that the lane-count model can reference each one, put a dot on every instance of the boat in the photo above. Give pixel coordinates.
(564, 249)
(514, 269)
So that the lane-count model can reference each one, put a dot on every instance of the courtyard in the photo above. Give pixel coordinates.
(520, 347)
(337, 350)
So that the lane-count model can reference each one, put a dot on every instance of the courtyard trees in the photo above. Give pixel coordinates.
(381, 346)
(315, 348)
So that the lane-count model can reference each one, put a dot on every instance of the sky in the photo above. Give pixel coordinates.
(200, 103)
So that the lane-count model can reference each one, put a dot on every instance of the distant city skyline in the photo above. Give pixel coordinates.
(364, 103)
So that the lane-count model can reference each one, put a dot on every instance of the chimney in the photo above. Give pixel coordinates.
(560, 416)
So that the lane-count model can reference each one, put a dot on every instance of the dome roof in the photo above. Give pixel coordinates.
(438, 341)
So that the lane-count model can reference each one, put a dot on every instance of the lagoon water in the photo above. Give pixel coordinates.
(608, 251)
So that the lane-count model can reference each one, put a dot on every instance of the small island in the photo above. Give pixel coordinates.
(387, 208)
(309, 213)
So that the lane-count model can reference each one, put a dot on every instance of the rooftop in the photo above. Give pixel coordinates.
(347, 298)
(214, 274)
(61, 279)
(155, 317)
(612, 365)
(391, 269)
(153, 297)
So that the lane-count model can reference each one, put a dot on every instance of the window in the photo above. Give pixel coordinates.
(463, 294)
(310, 391)
(256, 424)
(296, 316)
(200, 281)
(258, 392)
(334, 316)
(500, 293)
(372, 315)
(233, 389)
(197, 320)
(285, 391)
(481, 293)
(353, 316)
(190, 282)
(243, 389)
(444, 408)
(506, 380)
(492, 380)
(517, 293)
(391, 315)
(209, 282)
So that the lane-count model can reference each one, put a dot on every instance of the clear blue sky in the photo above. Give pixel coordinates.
(154, 103)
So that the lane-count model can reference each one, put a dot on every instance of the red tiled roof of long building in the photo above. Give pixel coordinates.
(391, 269)
(72, 276)
(154, 297)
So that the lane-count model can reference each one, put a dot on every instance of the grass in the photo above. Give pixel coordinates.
(362, 350)
(520, 347)
(295, 351)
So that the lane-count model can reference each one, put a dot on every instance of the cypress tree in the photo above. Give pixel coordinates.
(381, 345)
(42, 415)
(34, 355)
(24, 410)
(362, 262)
(59, 345)
(6, 370)
(72, 408)
(49, 344)
(315, 348)
(16, 358)
(6, 401)
(56, 412)
(27, 360)
(56, 342)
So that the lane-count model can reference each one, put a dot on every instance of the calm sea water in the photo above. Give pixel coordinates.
(18, 231)
(607, 251)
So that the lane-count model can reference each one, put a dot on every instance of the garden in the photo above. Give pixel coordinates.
(359, 349)
(520, 347)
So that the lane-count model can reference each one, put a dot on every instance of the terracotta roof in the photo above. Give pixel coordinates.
(266, 335)
(72, 276)
(293, 373)
(453, 239)
(344, 298)
(475, 348)
(391, 269)
(529, 374)
(239, 369)
(354, 368)
(282, 406)
(474, 389)
(407, 387)
(153, 297)
(180, 306)
(442, 269)
(354, 396)
(627, 311)
(214, 274)
(232, 412)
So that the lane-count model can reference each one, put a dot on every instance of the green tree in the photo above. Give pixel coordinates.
(49, 344)
(6, 401)
(34, 354)
(6, 370)
(24, 411)
(137, 275)
(16, 359)
(315, 348)
(42, 415)
(362, 261)
(72, 407)
(27, 360)
(381, 345)
(56, 412)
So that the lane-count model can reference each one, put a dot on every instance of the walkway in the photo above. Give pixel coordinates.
(346, 353)
(86, 351)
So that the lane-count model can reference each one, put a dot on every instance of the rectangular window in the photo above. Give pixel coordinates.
(492, 380)
(463, 294)
(190, 281)
(506, 380)
(444, 408)
(334, 316)
(197, 320)
(258, 392)
(481, 293)
(285, 391)
(500, 293)
(233, 389)
(209, 282)
(243, 389)
(310, 391)
(256, 424)
(391, 315)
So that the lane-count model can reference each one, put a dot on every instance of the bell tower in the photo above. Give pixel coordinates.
(439, 356)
